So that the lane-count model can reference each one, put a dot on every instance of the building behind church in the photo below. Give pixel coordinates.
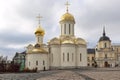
(106, 54)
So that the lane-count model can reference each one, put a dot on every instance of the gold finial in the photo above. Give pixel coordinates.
(39, 17)
(67, 4)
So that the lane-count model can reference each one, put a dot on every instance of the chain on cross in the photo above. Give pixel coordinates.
(39, 17)
(67, 4)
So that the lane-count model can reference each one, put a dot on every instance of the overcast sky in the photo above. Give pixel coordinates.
(18, 21)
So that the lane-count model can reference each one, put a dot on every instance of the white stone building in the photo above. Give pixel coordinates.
(105, 54)
(37, 55)
(65, 51)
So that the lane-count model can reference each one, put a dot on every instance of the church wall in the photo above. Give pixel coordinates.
(54, 56)
(38, 60)
(68, 60)
(81, 56)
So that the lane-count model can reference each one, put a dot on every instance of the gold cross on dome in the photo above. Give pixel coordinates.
(67, 4)
(39, 17)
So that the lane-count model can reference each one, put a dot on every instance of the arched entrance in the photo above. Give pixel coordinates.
(44, 68)
(106, 64)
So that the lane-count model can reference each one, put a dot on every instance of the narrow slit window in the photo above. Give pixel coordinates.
(69, 29)
(65, 28)
(36, 62)
(67, 56)
(80, 56)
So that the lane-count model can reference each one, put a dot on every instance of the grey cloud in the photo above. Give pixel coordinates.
(90, 19)
(15, 38)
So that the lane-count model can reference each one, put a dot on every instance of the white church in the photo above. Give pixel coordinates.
(63, 52)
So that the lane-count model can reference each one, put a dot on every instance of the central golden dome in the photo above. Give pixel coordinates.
(67, 17)
(40, 31)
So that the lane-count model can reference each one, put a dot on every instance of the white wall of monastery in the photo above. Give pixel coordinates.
(55, 55)
(81, 53)
(68, 54)
(42, 59)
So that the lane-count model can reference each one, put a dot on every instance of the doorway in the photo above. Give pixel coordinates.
(106, 64)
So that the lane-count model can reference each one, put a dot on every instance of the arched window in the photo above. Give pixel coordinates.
(43, 62)
(105, 55)
(67, 56)
(92, 58)
(105, 45)
(65, 28)
(69, 29)
(36, 62)
(63, 57)
(80, 57)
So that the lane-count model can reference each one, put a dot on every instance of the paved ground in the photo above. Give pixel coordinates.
(75, 74)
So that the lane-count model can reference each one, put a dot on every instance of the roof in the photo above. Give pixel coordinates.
(91, 51)
(67, 17)
(104, 37)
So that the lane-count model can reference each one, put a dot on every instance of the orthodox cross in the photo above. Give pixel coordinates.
(67, 4)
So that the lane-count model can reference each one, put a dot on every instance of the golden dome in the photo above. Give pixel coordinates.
(67, 17)
(40, 31)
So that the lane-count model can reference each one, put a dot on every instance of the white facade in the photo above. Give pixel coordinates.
(37, 55)
(67, 51)
(39, 61)
(105, 54)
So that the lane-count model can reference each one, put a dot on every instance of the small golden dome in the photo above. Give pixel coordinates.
(67, 17)
(40, 31)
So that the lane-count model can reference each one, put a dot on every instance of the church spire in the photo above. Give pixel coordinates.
(67, 4)
(104, 34)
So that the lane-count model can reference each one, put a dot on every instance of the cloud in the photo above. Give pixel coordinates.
(18, 21)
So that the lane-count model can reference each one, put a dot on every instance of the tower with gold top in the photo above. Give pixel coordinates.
(37, 54)
(67, 23)
(67, 51)
(39, 32)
